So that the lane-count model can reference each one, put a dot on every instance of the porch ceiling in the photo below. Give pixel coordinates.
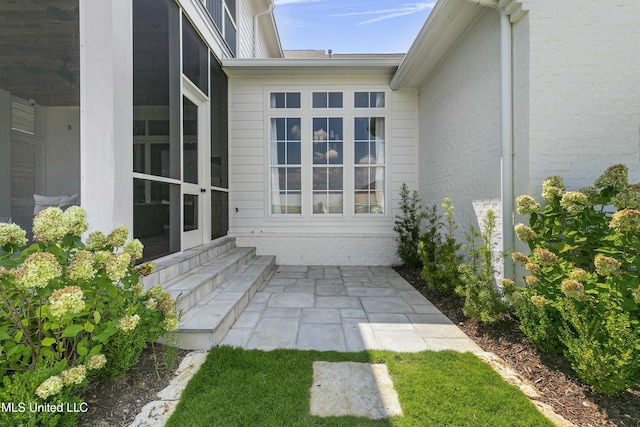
(39, 50)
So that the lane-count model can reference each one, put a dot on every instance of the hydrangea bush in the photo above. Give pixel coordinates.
(72, 308)
(582, 293)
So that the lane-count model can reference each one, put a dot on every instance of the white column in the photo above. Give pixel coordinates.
(106, 116)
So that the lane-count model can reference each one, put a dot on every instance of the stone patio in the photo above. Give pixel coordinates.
(345, 309)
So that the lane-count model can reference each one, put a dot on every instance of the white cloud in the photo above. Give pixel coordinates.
(408, 9)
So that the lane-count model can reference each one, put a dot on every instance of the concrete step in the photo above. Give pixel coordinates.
(191, 287)
(171, 268)
(206, 323)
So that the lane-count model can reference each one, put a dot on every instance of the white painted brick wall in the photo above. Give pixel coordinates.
(460, 127)
(318, 249)
(584, 94)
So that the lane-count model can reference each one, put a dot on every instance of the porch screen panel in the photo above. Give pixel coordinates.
(157, 126)
(195, 57)
(219, 214)
(219, 126)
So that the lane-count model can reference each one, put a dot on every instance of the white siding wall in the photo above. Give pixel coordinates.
(246, 13)
(584, 90)
(460, 126)
(322, 241)
(245, 29)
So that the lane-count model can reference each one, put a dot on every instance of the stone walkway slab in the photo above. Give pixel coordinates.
(349, 388)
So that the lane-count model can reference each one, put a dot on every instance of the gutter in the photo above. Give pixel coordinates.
(271, 6)
(506, 89)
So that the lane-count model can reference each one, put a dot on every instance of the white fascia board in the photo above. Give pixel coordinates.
(308, 67)
(447, 21)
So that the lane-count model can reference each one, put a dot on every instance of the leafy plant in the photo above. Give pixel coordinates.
(583, 281)
(62, 300)
(18, 391)
(478, 274)
(408, 227)
(440, 253)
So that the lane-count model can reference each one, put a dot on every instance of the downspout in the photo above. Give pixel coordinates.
(506, 89)
(272, 6)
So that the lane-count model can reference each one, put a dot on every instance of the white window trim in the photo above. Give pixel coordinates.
(306, 113)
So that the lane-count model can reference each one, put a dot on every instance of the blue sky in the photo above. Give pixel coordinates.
(350, 26)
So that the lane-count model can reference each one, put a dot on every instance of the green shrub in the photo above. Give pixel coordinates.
(440, 254)
(62, 300)
(478, 275)
(18, 390)
(408, 227)
(584, 264)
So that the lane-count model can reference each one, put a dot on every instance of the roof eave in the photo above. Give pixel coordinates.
(310, 67)
(446, 22)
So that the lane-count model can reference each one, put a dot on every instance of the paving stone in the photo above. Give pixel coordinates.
(321, 336)
(293, 299)
(256, 306)
(358, 335)
(299, 289)
(282, 281)
(353, 313)
(282, 313)
(425, 308)
(292, 268)
(290, 275)
(338, 302)
(387, 318)
(306, 282)
(248, 319)
(350, 388)
(320, 315)
(401, 341)
(371, 292)
(237, 337)
(385, 305)
(274, 333)
(330, 290)
(326, 282)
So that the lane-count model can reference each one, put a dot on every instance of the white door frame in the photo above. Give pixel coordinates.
(199, 191)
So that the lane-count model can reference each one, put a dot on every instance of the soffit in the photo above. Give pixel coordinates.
(310, 67)
(448, 20)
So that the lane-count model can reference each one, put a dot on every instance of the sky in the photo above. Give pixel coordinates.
(350, 26)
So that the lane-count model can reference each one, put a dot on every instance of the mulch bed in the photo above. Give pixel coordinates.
(551, 375)
(116, 403)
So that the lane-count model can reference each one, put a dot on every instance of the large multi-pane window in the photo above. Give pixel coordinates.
(327, 153)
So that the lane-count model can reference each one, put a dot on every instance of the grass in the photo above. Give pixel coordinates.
(236, 387)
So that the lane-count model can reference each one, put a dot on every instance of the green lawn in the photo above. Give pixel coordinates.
(236, 387)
